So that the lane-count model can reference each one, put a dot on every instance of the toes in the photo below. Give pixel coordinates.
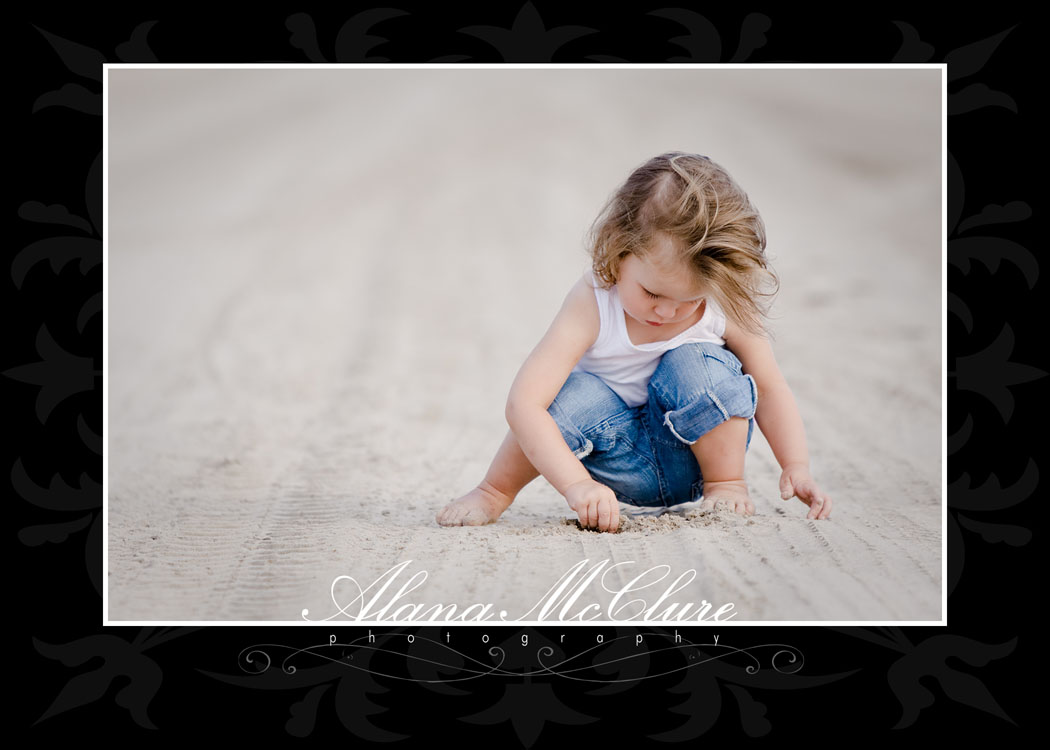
(461, 513)
(450, 515)
(731, 503)
(722, 503)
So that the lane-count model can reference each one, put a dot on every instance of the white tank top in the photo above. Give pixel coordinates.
(626, 367)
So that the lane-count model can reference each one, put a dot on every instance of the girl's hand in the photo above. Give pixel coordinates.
(595, 504)
(796, 481)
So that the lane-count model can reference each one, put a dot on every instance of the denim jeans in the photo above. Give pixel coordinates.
(642, 453)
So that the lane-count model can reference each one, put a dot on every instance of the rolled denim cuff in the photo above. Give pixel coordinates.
(732, 397)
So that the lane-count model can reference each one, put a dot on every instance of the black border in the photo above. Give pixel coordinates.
(140, 681)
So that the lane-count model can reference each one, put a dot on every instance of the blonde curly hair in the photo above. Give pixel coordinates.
(715, 228)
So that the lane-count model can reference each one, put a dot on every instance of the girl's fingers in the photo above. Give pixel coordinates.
(808, 492)
(820, 504)
(604, 516)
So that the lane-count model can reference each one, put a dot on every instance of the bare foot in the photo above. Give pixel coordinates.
(482, 505)
(732, 495)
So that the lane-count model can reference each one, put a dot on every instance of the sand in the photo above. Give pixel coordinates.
(321, 285)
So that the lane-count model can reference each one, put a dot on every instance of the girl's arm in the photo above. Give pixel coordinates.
(778, 417)
(541, 377)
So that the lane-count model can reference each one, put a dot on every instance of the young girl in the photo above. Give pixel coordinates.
(646, 386)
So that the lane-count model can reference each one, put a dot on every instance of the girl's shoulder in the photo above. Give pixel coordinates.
(715, 317)
(577, 323)
(590, 280)
(582, 295)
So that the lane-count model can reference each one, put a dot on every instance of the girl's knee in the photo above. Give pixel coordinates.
(700, 388)
(688, 372)
(681, 359)
(584, 396)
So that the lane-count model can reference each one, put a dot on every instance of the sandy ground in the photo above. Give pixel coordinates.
(321, 284)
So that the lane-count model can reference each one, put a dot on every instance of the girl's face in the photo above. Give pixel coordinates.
(658, 289)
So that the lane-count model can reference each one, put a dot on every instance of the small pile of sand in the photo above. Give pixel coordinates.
(722, 515)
